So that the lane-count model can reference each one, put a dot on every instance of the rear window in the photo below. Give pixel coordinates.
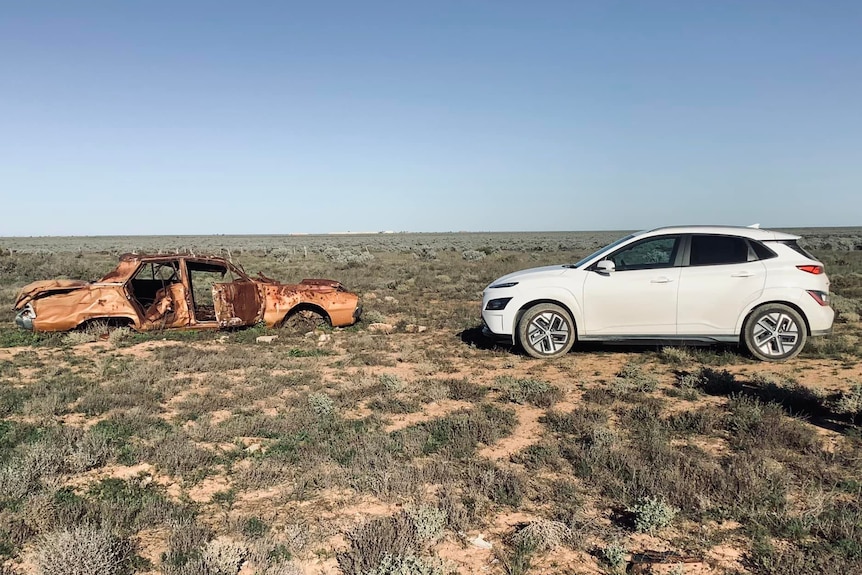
(798, 249)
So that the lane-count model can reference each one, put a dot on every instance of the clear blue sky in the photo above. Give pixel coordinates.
(220, 117)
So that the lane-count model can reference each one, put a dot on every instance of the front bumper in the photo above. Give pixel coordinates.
(496, 337)
(24, 318)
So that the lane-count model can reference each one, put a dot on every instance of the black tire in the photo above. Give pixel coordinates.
(546, 330)
(775, 332)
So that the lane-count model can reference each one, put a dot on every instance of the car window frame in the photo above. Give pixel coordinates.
(750, 251)
(675, 259)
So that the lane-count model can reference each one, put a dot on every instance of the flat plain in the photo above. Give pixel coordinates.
(416, 446)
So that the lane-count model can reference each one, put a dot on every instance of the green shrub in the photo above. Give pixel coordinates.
(429, 522)
(651, 514)
(391, 383)
(519, 559)
(321, 404)
(677, 356)
(407, 565)
(457, 434)
(254, 527)
(614, 555)
(79, 337)
(689, 385)
(465, 390)
(632, 378)
(186, 540)
(518, 390)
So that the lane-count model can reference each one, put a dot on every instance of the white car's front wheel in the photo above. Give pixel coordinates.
(546, 330)
(775, 332)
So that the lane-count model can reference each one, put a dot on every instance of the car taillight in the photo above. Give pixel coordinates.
(812, 269)
(820, 297)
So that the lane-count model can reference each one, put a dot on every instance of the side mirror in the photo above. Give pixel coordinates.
(605, 267)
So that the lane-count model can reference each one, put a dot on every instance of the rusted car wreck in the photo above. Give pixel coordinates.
(152, 292)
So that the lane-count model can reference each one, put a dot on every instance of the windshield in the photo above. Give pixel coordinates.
(600, 250)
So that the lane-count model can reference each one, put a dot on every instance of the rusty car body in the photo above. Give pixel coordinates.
(152, 292)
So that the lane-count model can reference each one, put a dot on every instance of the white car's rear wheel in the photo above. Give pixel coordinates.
(546, 330)
(775, 332)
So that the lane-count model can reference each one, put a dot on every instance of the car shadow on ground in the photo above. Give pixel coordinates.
(796, 400)
(475, 338)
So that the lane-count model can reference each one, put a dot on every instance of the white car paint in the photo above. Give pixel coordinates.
(679, 300)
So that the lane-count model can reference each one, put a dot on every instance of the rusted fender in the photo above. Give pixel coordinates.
(45, 287)
(66, 311)
(328, 296)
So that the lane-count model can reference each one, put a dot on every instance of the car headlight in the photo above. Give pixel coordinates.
(497, 304)
(24, 318)
(503, 285)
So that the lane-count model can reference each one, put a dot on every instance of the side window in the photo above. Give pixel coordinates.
(719, 250)
(151, 278)
(166, 272)
(647, 254)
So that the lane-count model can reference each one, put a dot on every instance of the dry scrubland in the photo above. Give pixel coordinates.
(361, 452)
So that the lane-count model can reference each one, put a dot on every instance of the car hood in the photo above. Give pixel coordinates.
(46, 287)
(313, 284)
(532, 274)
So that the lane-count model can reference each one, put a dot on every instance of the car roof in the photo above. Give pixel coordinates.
(746, 232)
(169, 257)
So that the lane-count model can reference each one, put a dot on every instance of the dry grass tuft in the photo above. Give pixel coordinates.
(82, 550)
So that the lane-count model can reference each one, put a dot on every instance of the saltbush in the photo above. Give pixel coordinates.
(82, 550)
(651, 514)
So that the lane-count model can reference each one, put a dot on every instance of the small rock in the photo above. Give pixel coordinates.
(266, 338)
(421, 328)
(369, 295)
(479, 541)
(254, 448)
(324, 337)
(410, 328)
(390, 299)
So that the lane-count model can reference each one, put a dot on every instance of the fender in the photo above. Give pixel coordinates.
(557, 295)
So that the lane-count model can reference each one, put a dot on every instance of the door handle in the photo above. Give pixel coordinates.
(743, 274)
(661, 280)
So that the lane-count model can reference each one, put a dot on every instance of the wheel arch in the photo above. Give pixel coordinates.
(304, 306)
(532, 303)
(758, 305)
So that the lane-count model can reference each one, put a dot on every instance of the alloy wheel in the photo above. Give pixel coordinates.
(548, 332)
(776, 334)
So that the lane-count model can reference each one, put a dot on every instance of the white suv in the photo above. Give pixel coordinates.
(673, 285)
